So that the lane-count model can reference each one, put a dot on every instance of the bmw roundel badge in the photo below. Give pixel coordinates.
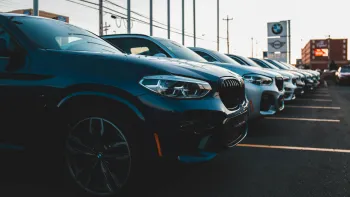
(277, 28)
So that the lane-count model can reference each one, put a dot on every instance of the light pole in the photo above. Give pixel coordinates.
(129, 16)
(252, 47)
(194, 23)
(36, 7)
(100, 17)
(218, 26)
(168, 19)
(183, 22)
(228, 33)
(151, 17)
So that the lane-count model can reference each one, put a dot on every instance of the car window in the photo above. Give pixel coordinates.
(180, 51)
(57, 35)
(224, 58)
(137, 46)
(205, 56)
(7, 44)
(238, 60)
(345, 69)
(276, 64)
(260, 63)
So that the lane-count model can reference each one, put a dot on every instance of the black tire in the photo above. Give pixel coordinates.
(123, 122)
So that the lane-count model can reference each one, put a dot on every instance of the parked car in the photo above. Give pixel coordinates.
(343, 74)
(68, 92)
(316, 76)
(290, 80)
(263, 89)
(310, 83)
(262, 97)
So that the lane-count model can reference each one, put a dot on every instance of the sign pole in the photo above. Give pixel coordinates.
(36, 7)
(289, 43)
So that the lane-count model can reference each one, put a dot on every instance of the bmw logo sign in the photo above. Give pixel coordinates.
(277, 28)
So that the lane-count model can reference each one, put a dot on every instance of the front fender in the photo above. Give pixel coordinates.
(102, 95)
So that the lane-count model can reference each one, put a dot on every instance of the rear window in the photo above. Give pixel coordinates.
(345, 70)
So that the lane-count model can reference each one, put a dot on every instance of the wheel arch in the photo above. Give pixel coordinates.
(98, 99)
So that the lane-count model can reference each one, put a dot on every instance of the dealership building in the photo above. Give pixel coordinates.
(42, 14)
(319, 53)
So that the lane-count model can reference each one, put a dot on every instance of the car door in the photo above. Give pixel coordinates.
(18, 101)
(138, 46)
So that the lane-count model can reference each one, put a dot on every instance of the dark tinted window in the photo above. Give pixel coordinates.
(57, 35)
(345, 69)
(7, 44)
(205, 56)
(260, 63)
(238, 60)
(249, 61)
(180, 51)
(224, 58)
(137, 46)
(278, 65)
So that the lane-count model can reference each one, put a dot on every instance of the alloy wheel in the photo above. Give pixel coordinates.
(98, 156)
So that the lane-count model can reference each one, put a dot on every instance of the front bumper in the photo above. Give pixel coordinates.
(300, 90)
(289, 94)
(192, 129)
(264, 100)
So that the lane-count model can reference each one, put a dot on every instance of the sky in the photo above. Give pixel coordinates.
(310, 19)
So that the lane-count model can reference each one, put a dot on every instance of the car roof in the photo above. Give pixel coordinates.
(200, 48)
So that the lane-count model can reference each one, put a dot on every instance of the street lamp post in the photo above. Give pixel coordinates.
(36, 7)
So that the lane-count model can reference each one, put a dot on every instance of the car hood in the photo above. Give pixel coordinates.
(243, 70)
(284, 73)
(344, 74)
(140, 66)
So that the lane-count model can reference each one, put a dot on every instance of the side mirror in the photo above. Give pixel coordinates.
(159, 55)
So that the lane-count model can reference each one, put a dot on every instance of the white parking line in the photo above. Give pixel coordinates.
(295, 148)
(321, 95)
(302, 119)
(311, 107)
(322, 100)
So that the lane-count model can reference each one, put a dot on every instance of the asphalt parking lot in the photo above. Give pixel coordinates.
(303, 151)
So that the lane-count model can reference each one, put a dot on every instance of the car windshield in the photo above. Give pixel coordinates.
(345, 70)
(249, 61)
(180, 51)
(264, 64)
(278, 65)
(57, 35)
(288, 65)
(224, 58)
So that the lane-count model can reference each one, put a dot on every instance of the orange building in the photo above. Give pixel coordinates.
(43, 14)
(319, 53)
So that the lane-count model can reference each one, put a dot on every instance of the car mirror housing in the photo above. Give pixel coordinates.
(159, 55)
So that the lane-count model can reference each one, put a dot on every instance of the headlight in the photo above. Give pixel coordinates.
(258, 79)
(176, 86)
(286, 78)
